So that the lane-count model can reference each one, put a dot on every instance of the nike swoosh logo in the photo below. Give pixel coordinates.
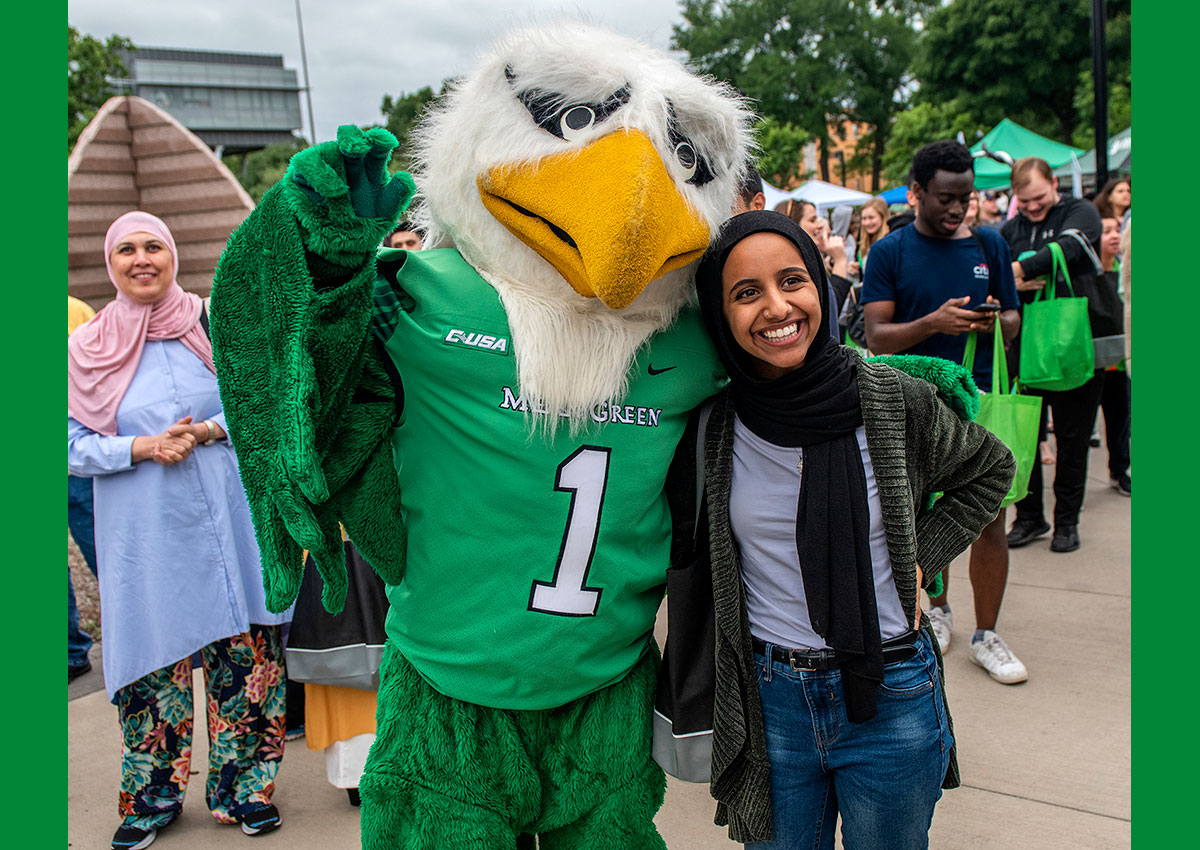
(654, 371)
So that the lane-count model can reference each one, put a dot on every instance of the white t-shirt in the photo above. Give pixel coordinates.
(764, 496)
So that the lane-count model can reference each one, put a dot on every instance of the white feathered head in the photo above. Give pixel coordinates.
(582, 174)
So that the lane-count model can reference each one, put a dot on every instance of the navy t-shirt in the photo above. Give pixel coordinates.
(920, 273)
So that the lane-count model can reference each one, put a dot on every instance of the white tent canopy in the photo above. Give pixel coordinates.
(824, 195)
(774, 196)
(1120, 157)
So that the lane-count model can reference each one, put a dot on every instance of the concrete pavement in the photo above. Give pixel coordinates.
(1045, 764)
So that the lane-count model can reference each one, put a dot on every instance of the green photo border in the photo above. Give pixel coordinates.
(1164, 746)
(35, 491)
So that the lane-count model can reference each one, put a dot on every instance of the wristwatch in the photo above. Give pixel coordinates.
(211, 432)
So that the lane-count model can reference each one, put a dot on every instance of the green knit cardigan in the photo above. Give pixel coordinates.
(918, 446)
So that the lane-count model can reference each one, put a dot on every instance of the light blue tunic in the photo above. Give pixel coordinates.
(178, 563)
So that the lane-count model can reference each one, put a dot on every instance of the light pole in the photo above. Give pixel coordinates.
(307, 87)
(1100, 92)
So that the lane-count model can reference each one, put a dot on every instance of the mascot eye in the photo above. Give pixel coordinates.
(575, 120)
(686, 154)
(695, 167)
(566, 122)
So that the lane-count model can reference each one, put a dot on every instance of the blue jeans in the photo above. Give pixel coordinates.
(883, 776)
(78, 641)
(81, 519)
(82, 525)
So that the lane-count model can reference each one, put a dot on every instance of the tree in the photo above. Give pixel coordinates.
(920, 125)
(259, 170)
(90, 64)
(775, 52)
(808, 62)
(781, 151)
(401, 115)
(879, 52)
(1118, 29)
(1019, 59)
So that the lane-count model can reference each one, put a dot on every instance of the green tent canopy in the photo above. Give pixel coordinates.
(1011, 138)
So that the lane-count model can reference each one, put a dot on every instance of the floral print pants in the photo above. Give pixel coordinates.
(246, 700)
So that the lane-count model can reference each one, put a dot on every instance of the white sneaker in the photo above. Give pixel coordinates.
(942, 622)
(992, 654)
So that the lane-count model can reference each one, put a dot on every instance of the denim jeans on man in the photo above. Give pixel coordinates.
(82, 525)
(883, 776)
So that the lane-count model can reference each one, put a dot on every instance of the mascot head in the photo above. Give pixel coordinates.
(581, 174)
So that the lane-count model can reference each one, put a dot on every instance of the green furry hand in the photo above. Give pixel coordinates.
(342, 192)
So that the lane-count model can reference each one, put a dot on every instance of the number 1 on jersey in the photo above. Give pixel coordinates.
(584, 475)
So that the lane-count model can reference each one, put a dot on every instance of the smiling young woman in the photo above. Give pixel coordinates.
(771, 302)
(816, 465)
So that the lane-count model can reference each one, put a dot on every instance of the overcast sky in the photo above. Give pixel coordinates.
(358, 50)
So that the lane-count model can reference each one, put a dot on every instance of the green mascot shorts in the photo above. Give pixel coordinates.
(450, 774)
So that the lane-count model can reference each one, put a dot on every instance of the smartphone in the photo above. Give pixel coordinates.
(985, 308)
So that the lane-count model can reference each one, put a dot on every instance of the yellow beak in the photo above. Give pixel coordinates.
(607, 217)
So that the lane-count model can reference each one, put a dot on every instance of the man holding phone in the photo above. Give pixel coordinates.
(926, 288)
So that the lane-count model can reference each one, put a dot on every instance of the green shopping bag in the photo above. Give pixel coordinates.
(1011, 417)
(1056, 335)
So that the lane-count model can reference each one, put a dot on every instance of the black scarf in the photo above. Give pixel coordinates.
(816, 407)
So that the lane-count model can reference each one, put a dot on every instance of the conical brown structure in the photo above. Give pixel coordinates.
(133, 156)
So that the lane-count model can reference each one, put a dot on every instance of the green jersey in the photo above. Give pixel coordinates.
(535, 564)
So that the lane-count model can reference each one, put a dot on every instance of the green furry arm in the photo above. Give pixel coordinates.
(308, 405)
(954, 384)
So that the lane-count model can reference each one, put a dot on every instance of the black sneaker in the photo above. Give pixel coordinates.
(1066, 539)
(132, 838)
(74, 672)
(1121, 484)
(261, 821)
(1026, 530)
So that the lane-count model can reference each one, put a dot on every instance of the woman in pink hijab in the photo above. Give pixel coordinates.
(178, 562)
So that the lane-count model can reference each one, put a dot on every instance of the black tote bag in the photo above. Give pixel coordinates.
(339, 649)
(683, 701)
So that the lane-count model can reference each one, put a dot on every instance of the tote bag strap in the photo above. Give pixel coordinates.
(1058, 264)
(999, 363)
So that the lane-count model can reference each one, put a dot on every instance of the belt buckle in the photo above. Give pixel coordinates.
(793, 657)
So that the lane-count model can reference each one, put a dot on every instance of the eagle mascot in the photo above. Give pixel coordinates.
(492, 421)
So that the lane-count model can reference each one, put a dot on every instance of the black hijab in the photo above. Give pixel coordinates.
(816, 407)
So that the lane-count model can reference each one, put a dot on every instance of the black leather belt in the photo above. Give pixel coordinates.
(896, 649)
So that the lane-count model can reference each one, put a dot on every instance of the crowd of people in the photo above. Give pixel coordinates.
(839, 484)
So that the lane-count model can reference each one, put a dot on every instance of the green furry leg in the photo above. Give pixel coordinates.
(449, 774)
(400, 814)
(622, 821)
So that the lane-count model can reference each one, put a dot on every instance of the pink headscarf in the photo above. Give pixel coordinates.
(104, 352)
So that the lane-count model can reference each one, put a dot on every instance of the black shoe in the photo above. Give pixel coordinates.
(1025, 530)
(1066, 539)
(1121, 484)
(74, 673)
(352, 793)
(261, 821)
(132, 838)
